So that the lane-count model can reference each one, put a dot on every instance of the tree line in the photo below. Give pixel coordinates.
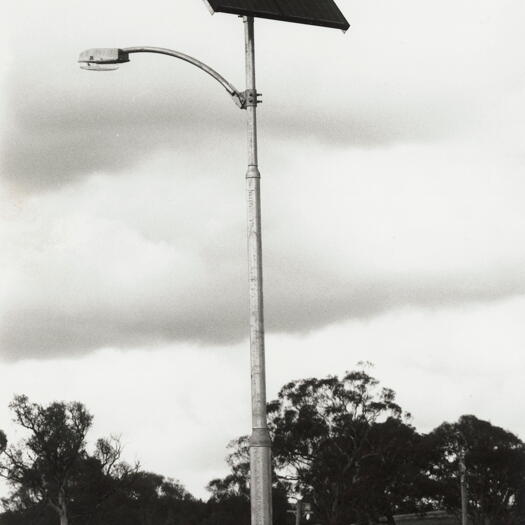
(342, 444)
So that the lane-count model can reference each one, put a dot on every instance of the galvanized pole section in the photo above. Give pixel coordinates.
(298, 511)
(463, 481)
(260, 445)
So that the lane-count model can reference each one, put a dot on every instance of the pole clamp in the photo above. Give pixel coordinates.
(260, 438)
(248, 98)
(252, 98)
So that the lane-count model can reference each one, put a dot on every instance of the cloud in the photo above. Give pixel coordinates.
(389, 81)
(82, 276)
(174, 397)
(58, 136)
(391, 177)
(191, 401)
(393, 220)
(157, 255)
(441, 363)
(91, 123)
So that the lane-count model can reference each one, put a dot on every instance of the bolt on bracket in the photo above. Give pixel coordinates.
(247, 98)
(252, 97)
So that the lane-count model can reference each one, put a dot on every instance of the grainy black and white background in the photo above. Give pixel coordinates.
(393, 214)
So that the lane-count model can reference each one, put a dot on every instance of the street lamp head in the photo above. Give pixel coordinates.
(102, 59)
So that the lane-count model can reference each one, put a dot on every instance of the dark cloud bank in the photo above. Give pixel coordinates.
(59, 134)
(56, 138)
(216, 313)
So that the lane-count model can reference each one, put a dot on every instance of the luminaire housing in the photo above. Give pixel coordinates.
(102, 58)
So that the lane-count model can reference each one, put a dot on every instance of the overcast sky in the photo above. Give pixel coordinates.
(393, 164)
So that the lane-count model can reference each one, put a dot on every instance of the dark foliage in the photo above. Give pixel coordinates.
(495, 469)
(341, 444)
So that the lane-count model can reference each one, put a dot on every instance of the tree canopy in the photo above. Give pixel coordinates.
(345, 445)
(42, 466)
(495, 468)
(341, 444)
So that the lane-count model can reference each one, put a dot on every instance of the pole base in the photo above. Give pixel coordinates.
(260, 484)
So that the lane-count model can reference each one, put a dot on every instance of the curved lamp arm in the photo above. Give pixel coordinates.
(104, 59)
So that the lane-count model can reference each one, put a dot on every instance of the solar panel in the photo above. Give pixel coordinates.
(314, 12)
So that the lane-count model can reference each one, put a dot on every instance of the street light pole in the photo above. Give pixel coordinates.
(260, 445)
(97, 59)
(324, 13)
(464, 488)
(298, 511)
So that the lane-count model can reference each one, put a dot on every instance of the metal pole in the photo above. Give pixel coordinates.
(298, 511)
(260, 445)
(463, 479)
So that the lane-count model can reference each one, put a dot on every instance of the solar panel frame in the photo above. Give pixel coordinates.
(323, 13)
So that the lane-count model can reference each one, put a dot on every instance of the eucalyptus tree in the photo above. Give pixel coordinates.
(42, 467)
(322, 431)
(495, 469)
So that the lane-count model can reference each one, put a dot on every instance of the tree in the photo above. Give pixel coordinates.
(52, 473)
(42, 466)
(495, 464)
(3, 441)
(395, 470)
(101, 481)
(321, 430)
(237, 483)
(520, 503)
